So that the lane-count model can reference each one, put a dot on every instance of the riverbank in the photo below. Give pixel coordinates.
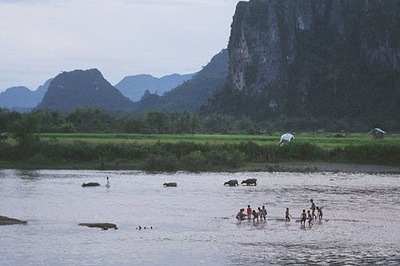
(4, 220)
(312, 167)
(339, 167)
(209, 155)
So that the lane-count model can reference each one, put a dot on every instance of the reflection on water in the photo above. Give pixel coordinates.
(195, 223)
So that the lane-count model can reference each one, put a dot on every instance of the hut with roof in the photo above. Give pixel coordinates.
(377, 133)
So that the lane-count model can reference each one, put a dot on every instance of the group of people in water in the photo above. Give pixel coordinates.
(261, 214)
(312, 214)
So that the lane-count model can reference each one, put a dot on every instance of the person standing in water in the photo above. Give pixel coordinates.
(249, 212)
(287, 215)
(303, 217)
(255, 215)
(313, 209)
(108, 183)
(319, 212)
(264, 213)
(309, 218)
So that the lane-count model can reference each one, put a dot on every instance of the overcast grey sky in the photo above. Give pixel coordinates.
(41, 38)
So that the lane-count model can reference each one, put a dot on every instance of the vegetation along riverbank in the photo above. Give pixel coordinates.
(195, 152)
(4, 220)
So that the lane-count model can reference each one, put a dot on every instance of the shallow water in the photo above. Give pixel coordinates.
(195, 223)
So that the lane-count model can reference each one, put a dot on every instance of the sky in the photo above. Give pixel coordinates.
(39, 39)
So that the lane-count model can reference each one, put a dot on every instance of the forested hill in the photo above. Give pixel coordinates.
(335, 59)
(192, 94)
(83, 88)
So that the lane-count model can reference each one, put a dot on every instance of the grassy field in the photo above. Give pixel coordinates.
(163, 152)
(326, 141)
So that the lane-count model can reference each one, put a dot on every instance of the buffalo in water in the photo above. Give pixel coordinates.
(170, 184)
(232, 183)
(90, 184)
(250, 181)
(103, 226)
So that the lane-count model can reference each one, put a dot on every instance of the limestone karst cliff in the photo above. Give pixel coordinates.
(333, 58)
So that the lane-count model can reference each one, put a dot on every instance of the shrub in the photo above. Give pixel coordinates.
(167, 163)
(194, 162)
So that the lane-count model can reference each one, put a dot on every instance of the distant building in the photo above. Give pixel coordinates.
(377, 133)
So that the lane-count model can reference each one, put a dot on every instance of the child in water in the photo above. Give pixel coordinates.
(240, 216)
(255, 215)
(313, 208)
(249, 212)
(309, 217)
(287, 215)
(319, 212)
(303, 217)
(264, 212)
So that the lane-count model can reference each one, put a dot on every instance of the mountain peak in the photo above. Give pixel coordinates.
(83, 88)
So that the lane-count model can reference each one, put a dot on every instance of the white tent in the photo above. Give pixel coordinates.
(286, 137)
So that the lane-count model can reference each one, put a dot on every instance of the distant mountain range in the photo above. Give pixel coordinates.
(88, 88)
(22, 99)
(134, 87)
(192, 94)
(306, 59)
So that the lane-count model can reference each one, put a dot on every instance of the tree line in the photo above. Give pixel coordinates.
(97, 120)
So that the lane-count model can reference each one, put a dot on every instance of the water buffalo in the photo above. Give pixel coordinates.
(232, 183)
(90, 184)
(103, 226)
(170, 184)
(250, 181)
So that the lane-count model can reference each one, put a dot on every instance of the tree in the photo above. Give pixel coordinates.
(156, 121)
(24, 130)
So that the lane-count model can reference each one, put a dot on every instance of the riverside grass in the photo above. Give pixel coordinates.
(163, 152)
(327, 140)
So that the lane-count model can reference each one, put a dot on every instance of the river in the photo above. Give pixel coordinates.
(194, 223)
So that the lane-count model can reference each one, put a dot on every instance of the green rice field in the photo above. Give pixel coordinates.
(327, 140)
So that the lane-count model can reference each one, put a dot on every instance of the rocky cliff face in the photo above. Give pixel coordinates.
(265, 34)
(293, 52)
